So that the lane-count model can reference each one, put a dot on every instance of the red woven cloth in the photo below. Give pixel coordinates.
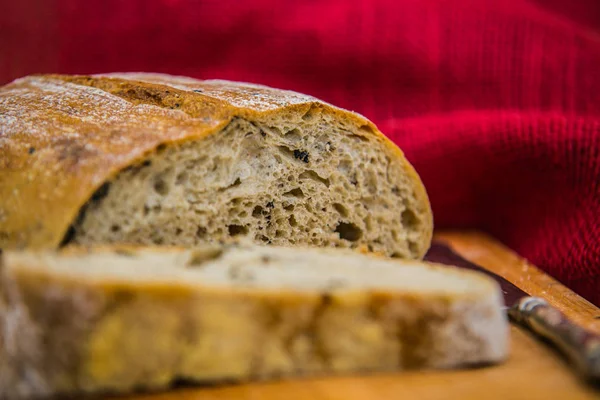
(496, 103)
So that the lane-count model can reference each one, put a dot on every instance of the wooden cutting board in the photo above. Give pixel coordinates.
(533, 371)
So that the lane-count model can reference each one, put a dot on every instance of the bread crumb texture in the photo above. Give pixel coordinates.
(156, 159)
(310, 184)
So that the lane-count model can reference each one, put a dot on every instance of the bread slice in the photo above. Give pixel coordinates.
(162, 160)
(106, 320)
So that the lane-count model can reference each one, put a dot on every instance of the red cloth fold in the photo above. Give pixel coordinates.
(496, 103)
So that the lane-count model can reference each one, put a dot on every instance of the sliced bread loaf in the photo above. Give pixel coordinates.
(118, 320)
(163, 160)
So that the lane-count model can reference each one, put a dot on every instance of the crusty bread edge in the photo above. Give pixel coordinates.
(330, 318)
(22, 227)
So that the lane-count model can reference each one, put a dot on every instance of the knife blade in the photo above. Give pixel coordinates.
(579, 346)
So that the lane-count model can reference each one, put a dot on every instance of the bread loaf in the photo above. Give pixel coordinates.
(162, 160)
(104, 320)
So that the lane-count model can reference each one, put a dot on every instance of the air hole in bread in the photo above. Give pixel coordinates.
(292, 221)
(264, 239)
(343, 211)
(235, 183)
(235, 230)
(161, 187)
(296, 192)
(413, 247)
(409, 219)
(182, 178)
(293, 136)
(286, 152)
(275, 130)
(349, 231)
(315, 177)
(257, 212)
(310, 114)
(201, 232)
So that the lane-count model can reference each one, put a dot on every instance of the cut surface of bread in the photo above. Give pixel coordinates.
(104, 320)
(156, 159)
(314, 184)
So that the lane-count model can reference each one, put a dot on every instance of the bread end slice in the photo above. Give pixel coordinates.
(163, 160)
(119, 320)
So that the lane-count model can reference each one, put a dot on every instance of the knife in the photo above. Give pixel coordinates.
(579, 346)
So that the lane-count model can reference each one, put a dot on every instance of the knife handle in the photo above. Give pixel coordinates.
(581, 347)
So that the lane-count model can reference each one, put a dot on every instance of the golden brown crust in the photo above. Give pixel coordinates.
(62, 137)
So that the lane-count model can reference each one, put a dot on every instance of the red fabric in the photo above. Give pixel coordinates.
(496, 103)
